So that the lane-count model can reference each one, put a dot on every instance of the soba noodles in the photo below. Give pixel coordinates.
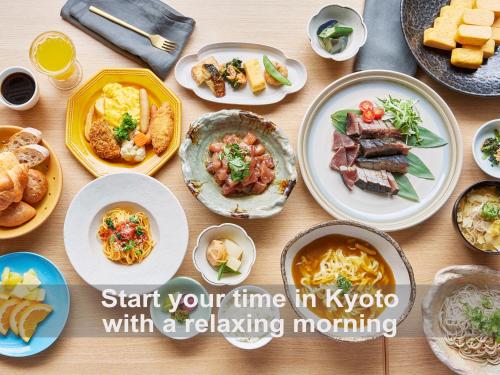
(469, 317)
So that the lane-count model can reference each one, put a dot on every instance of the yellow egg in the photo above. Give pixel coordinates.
(494, 229)
(119, 100)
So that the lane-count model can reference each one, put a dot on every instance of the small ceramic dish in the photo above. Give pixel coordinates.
(345, 16)
(485, 131)
(445, 282)
(194, 152)
(455, 209)
(185, 286)
(227, 310)
(224, 231)
(387, 247)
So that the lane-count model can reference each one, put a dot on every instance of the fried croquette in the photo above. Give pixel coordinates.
(103, 141)
(162, 128)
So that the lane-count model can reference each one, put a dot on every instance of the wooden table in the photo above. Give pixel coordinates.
(280, 23)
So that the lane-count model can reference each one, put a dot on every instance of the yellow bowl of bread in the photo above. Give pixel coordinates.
(30, 180)
(123, 120)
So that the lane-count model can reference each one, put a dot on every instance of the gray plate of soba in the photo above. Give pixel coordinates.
(461, 315)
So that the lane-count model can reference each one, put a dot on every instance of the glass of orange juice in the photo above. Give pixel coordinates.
(54, 54)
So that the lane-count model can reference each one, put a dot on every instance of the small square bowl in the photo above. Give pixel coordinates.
(345, 16)
(234, 233)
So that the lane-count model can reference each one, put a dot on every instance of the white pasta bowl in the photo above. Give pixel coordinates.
(387, 247)
(234, 233)
(345, 16)
(445, 282)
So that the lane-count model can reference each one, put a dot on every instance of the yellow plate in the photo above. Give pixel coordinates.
(81, 101)
(53, 172)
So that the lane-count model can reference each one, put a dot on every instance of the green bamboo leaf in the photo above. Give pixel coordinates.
(339, 119)
(406, 189)
(428, 139)
(417, 167)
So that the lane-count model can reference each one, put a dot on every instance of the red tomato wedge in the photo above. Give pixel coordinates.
(378, 112)
(366, 105)
(368, 116)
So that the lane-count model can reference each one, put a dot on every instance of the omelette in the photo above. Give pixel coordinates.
(118, 100)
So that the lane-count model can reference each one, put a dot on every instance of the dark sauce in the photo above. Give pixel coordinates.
(18, 88)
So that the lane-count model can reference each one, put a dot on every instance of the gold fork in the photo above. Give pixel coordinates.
(156, 40)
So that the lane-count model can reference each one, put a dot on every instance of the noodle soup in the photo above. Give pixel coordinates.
(340, 262)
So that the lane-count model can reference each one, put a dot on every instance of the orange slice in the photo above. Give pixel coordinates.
(31, 317)
(15, 315)
(5, 310)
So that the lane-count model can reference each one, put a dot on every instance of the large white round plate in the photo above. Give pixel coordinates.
(385, 213)
(169, 229)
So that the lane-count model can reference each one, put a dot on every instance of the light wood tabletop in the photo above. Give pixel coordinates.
(280, 23)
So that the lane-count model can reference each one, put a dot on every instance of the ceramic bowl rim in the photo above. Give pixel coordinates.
(487, 124)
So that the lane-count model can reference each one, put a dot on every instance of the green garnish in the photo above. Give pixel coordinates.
(404, 116)
(236, 161)
(273, 72)
(127, 125)
(490, 147)
(139, 230)
(133, 219)
(119, 236)
(490, 211)
(489, 324)
(344, 284)
(138, 252)
(486, 303)
(110, 224)
(180, 315)
(112, 238)
(129, 246)
(225, 269)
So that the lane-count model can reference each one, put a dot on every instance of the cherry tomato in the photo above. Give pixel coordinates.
(368, 116)
(366, 105)
(378, 112)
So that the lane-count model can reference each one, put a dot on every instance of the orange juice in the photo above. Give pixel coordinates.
(56, 55)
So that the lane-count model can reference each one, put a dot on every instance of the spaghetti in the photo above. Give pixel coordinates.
(126, 236)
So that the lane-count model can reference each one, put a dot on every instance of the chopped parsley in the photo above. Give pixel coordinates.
(133, 219)
(489, 324)
(139, 230)
(127, 125)
(129, 245)
(110, 224)
(236, 162)
(344, 284)
(138, 252)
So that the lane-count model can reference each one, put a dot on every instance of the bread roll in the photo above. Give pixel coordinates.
(32, 155)
(13, 179)
(36, 188)
(16, 214)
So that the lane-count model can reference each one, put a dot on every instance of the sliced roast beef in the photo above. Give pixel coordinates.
(342, 140)
(349, 176)
(382, 147)
(394, 163)
(356, 127)
(376, 181)
(352, 154)
(339, 159)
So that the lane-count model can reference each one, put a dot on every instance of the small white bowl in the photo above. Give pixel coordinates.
(223, 314)
(346, 17)
(232, 232)
(485, 131)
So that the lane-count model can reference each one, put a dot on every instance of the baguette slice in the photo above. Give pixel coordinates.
(32, 155)
(27, 136)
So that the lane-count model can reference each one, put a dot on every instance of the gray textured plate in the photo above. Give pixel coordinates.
(418, 15)
(194, 153)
